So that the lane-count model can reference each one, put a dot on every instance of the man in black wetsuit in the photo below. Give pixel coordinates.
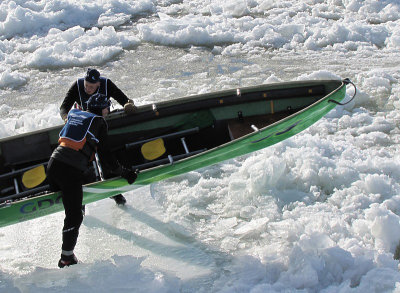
(80, 93)
(83, 134)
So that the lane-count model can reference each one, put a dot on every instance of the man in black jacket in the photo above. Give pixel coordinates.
(92, 84)
(83, 134)
(82, 89)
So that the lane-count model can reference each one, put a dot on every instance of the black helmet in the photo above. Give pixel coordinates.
(97, 103)
(92, 75)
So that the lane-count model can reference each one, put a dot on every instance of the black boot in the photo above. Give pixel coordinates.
(119, 199)
(67, 260)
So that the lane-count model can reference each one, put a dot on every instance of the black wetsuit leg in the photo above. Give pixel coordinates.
(69, 180)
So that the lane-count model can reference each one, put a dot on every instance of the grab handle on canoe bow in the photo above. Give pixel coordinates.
(346, 81)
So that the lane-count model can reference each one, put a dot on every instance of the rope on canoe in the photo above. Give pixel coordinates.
(346, 81)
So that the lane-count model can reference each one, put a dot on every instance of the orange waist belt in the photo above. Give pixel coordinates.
(77, 146)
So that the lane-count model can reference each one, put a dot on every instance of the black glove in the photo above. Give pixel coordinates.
(129, 107)
(129, 174)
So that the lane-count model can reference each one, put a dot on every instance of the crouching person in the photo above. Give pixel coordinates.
(84, 134)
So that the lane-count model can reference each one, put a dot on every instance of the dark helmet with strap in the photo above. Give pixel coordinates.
(97, 103)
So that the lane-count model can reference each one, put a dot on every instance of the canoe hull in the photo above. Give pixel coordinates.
(31, 208)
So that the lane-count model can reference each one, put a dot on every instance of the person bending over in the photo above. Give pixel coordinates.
(84, 133)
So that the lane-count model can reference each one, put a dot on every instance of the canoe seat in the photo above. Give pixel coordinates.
(243, 126)
(154, 148)
(165, 137)
(26, 157)
(169, 160)
(154, 152)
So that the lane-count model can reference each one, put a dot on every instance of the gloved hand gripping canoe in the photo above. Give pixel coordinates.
(129, 174)
(129, 107)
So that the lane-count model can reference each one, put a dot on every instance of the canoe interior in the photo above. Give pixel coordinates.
(204, 121)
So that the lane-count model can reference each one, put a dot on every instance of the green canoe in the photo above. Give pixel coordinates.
(167, 139)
